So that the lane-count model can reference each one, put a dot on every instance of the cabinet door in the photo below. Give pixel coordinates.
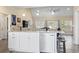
(68, 40)
(29, 42)
(10, 41)
(24, 44)
(34, 42)
(13, 41)
(15, 37)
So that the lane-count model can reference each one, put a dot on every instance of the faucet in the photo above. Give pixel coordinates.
(47, 28)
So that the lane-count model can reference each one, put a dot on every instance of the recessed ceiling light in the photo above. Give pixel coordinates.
(37, 14)
(68, 8)
(23, 14)
(53, 12)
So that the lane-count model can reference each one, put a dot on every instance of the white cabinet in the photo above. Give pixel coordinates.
(13, 41)
(23, 41)
(48, 42)
(29, 42)
(32, 42)
(68, 39)
(10, 41)
(24, 44)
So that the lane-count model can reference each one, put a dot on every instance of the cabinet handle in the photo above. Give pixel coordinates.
(51, 35)
(13, 37)
(13, 34)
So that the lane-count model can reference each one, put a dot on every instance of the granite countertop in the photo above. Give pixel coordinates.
(62, 33)
(67, 34)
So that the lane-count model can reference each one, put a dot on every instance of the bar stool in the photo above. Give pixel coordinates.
(61, 48)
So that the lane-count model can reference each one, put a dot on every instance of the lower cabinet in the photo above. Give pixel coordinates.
(23, 42)
(29, 42)
(32, 42)
(68, 39)
(13, 41)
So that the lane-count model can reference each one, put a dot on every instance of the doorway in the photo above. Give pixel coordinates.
(3, 33)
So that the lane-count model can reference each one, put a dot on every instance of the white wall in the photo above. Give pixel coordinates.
(12, 10)
(16, 11)
(3, 26)
(76, 25)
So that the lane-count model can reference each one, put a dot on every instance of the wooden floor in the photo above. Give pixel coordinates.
(3, 46)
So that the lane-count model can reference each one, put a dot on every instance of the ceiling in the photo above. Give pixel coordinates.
(26, 6)
(59, 11)
(46, 10)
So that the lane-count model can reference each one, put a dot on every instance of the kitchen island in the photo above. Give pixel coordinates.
(32, 42)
